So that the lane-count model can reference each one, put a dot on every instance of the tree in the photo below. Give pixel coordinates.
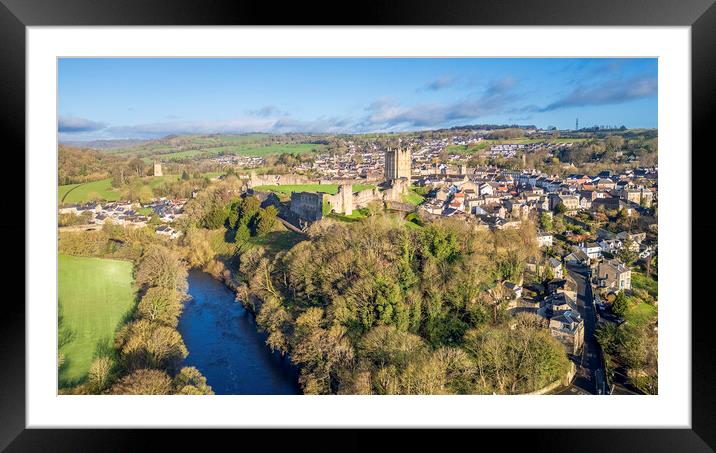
(546, 222)
(244, 211)
(160, 305)
(518, 360)
(185, 175)
(160, 266)
(215, 218)
(620, 305)
(626, 253)
(100, 374)
(560, 208)
(190, 381)
(146, 194)
(266, 220)
(275, 320)
(242, 234)
(144, 382)
(200, 251)
(319, 350)
(145, 344)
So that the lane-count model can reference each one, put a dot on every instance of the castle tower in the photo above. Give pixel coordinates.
(158, 169)
(346, 194)
(397, 164)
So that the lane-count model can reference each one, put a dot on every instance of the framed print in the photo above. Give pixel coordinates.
(416, 217)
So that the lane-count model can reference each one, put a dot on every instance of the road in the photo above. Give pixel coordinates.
(589, 379)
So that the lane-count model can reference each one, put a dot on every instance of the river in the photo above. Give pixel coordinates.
(226, 347)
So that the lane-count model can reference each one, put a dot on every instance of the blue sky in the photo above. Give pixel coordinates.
(149, 98)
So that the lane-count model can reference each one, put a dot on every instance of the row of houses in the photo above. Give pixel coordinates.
(127, 214)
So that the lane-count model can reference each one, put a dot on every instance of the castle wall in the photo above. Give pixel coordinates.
(292, 179)
(307, 205)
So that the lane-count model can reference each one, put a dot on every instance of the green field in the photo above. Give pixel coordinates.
(79, 193)
(94, 296)
(331, 189)
(245, 149)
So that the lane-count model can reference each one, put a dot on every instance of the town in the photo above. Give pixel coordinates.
(586, 225)
(398, 233)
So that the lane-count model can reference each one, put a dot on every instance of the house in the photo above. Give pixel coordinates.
(568, 328)
(636, 237)
(585, 203)
(570, 202)
(555, 266)
(577, 257)
(544, 239)
(614, 274)
(605, 184)
(610, 203)
(610, 245)
(592, 250)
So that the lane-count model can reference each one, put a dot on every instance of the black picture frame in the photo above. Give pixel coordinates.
(700, 15)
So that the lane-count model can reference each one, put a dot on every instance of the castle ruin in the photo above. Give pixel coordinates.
(398, 164)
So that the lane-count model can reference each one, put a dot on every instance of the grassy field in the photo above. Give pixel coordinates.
(79, 193)
(321, 188)
(246, 149)
(94, 296)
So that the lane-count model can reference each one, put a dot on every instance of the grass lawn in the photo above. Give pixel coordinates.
(80, 193)
(94, 296)
(413, 198)
(640, 313)
(322, 188)
(356, 215)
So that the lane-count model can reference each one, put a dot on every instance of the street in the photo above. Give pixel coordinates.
(589, 379)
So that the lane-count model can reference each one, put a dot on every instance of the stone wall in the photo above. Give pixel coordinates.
(345, 201)
(293, 179)
(307, 205)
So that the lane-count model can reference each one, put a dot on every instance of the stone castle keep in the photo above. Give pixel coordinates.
(397, 164)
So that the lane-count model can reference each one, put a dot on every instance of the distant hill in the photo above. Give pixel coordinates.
(106, 144)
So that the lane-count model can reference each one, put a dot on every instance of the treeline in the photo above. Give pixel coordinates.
(378, 308)
(147, 352)
(76, 165)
